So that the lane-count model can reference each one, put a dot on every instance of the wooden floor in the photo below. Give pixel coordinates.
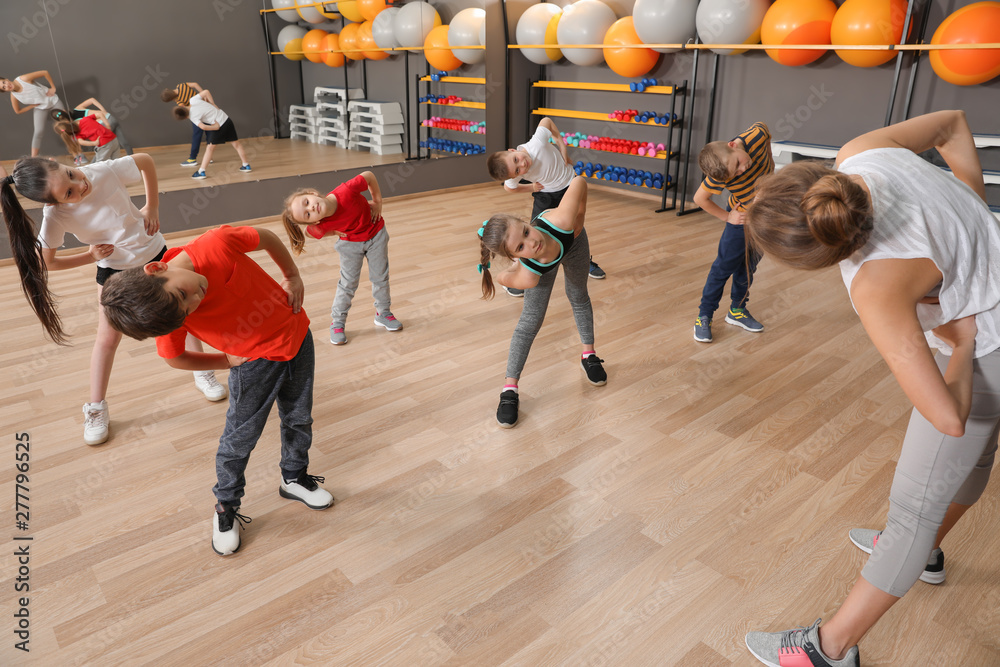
(270, 158)
(707, 490)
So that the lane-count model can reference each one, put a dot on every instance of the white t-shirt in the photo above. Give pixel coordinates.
(547, 164)
(205, 113)
(105, 215)
(33, 93)
(921, 211)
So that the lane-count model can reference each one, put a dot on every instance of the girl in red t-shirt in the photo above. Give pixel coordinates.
(93, 130)
(359, 224)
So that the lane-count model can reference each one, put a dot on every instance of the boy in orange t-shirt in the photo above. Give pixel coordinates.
(211, 289)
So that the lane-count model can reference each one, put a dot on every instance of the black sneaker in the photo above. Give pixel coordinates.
(594, 370)
(507, 410)
(225, 538)
(596, 272)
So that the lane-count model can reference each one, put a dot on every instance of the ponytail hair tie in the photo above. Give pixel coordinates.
(480, 231)
(480, 267)
(9, 180)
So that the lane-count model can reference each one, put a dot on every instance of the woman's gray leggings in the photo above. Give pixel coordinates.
(41, 118)
(935, 470)
(576, 270)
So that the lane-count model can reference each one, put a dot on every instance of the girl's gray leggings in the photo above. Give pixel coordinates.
(935, 470)
(576, 271)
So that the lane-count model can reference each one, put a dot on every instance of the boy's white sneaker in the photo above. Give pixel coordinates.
(96, 417)
(306, 490)
(225, 536)
(210, 386)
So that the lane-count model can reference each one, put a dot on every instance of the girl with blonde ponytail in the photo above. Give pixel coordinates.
(918, 250)
(555, 237)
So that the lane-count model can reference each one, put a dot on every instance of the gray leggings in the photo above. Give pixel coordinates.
(576, 268)
(935, 470)
(352, 255)
(41, 118)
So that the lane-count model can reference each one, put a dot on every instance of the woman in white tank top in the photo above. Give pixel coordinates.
(919, 252)
(27, 95)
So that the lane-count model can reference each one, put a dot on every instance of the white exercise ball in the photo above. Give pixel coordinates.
(414, 22)
(531, 30)
(311, 14)
(731, 22)
(464, 31)
(584, 22)
(482, 34)
(285, 10)
(288, 33)
(382, 28)
(665, 21)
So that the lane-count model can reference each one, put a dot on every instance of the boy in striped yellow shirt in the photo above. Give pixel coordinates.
(736, 166)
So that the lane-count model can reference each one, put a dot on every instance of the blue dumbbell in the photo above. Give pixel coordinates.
(598, 166)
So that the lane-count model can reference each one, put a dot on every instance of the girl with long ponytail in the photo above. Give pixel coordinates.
(536, 249)
(91, 203)
(918, 250)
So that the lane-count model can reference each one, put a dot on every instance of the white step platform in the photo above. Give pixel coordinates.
(390, 149)
(376, 128)
(987, 140)
(782, 151)
(336, 95)
(375, 139)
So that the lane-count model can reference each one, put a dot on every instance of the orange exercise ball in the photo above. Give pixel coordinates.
(349, 41)
(978, 23)
(437, 52)
(797, 22)
(367, 42)
(869, 22)
(349, 10)
(369, 9)
(312, 44)
(331, 43)
(627, 62)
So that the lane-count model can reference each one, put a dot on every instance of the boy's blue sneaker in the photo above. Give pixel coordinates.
(307, 490)
(596, 272)
(796, 647)
(199, 174)
(225, 537)
(741, 317)
(246, 167)
(388, 321)
(703, 329)
(189, 163)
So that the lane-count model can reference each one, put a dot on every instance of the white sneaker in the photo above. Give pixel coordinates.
(225, 536)
(95, 426)
(306, 490)
(208, 385)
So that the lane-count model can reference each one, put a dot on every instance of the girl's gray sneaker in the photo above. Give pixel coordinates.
(388, 321)
(337, 335)
(865, 539)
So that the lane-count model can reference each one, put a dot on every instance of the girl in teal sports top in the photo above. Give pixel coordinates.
(555, 238)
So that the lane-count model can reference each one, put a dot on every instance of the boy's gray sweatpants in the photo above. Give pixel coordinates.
(935, 470)
(576, 271)
(352, 255)
(254, 388)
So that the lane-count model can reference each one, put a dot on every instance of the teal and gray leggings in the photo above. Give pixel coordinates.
(576, 269)
(935, 470)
